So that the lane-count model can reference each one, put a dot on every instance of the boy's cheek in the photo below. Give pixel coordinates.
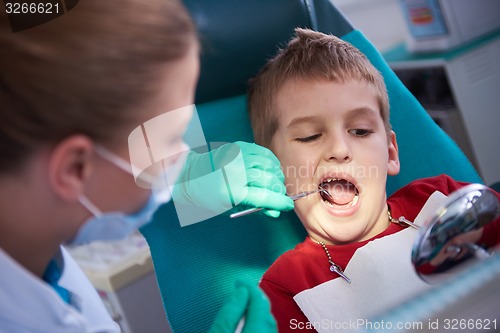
(298, 185)
(294, 186)
(305, 211)
(301, 176)
(291, 185)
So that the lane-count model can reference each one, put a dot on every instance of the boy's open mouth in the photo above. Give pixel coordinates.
(338, 193)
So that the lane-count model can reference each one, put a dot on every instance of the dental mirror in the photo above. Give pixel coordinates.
(448, 243)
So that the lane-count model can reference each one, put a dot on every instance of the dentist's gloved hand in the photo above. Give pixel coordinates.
(240, 173)
(247, 303)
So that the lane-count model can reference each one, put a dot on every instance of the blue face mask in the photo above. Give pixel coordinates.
(118, 225)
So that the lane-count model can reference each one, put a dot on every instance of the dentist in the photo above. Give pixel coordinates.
(71, 92)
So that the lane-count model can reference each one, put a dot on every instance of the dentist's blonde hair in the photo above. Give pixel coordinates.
(90, 72)
(309, 56)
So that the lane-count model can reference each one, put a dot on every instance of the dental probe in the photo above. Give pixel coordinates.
(293, 197)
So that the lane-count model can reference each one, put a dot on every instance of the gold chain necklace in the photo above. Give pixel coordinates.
(333, 266)
(401, 221)
(337, 269)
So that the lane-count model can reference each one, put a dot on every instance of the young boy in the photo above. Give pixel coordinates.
(322, 108)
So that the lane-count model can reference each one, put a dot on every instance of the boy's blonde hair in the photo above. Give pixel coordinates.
(310, 55)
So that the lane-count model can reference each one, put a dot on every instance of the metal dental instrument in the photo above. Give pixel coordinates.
(293, 197)
(403, 220)
(322, 190)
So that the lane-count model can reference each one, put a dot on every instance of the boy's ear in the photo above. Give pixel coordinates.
(393, 165)
(70, 163)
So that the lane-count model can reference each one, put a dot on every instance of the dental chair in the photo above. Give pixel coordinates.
(197, 265)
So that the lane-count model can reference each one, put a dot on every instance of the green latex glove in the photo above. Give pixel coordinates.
(250, 303)
(236, 174)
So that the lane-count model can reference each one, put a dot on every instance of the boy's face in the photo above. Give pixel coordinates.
(332, 135)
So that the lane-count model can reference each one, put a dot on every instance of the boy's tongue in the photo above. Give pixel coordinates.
(341, 191)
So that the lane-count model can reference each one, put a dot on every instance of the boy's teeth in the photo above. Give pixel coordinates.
(355, 200)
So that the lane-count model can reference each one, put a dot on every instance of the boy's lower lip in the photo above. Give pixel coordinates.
(342, 211)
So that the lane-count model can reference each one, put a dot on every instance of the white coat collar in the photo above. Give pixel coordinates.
(28, 304)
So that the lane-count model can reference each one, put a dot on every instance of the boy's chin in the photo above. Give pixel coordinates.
(335, 238)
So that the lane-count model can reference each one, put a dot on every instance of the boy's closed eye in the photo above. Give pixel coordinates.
(308, 138)
(358, 132)
(361, 132)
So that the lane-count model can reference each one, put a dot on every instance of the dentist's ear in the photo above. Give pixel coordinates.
(393, 165)
(69, 166)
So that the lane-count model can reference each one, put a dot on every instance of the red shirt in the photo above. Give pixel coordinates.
(306, 266)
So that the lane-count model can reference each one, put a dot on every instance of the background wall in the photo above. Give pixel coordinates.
(381, 21)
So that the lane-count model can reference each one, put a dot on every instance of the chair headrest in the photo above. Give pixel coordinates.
(238, 37)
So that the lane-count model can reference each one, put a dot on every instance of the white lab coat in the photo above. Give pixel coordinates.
(29, 305)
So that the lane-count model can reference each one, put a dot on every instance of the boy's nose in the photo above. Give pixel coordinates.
(338, 150)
